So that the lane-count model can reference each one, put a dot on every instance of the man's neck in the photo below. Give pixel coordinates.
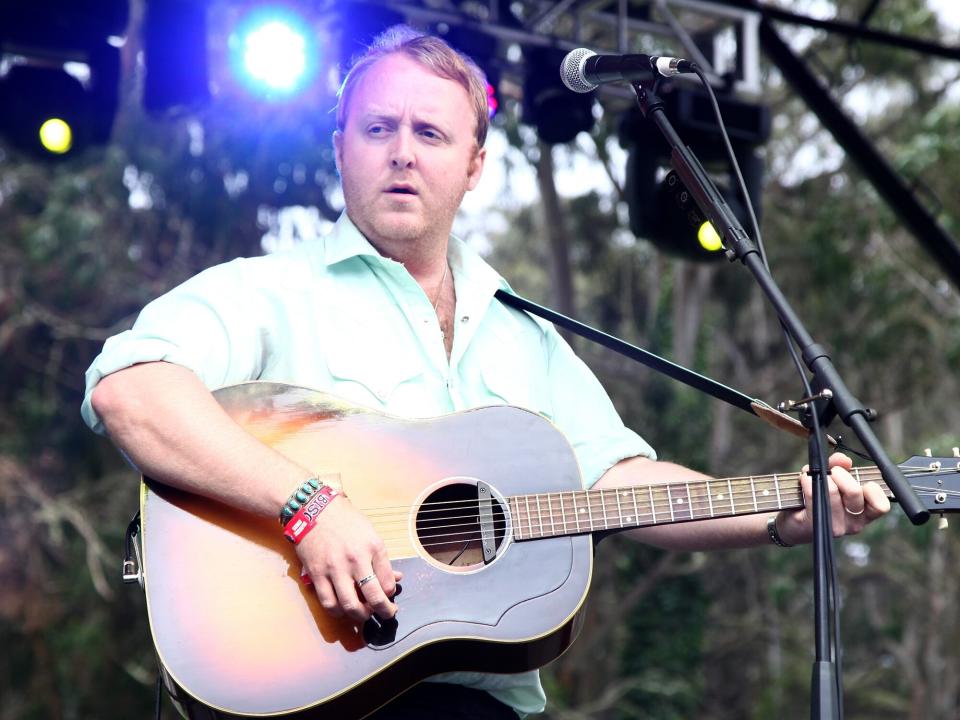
(424, 258)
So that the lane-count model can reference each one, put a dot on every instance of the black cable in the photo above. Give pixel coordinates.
(835, 649)
(159, 695)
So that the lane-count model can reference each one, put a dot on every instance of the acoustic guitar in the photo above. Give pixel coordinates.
(482, 510)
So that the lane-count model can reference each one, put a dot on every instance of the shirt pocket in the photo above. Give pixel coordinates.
(369, 374)
(517, 383)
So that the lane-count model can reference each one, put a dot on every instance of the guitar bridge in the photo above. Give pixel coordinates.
(485, 505)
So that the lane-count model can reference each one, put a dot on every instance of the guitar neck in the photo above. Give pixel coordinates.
(578, 512)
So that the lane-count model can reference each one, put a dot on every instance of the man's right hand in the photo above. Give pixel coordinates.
(340, 551)
(174, 430)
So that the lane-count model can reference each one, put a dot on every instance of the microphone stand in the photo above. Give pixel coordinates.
(832, 397)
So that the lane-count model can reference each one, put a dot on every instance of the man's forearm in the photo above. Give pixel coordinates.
(173, 429)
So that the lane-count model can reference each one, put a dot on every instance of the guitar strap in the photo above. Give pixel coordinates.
(711, 387)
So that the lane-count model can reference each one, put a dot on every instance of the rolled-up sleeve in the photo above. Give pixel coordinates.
(207, 325)
(583, 411)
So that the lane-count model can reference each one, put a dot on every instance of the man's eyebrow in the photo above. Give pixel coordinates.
(378, 115)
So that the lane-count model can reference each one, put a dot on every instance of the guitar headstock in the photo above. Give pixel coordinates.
(936, 480)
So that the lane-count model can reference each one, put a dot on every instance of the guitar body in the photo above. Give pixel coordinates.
(239, 634)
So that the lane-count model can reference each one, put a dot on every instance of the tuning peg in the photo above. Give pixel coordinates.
(943, 523)
(928, 452)
(956, 452)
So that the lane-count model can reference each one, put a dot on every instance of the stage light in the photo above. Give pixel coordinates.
(493, 104)
(41, 107)
(557, 114)
(661, 209)
(709, 238)
(274, 53)
(56, 136)
(59, 60)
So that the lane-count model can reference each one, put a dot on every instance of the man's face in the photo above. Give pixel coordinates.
(407, 155)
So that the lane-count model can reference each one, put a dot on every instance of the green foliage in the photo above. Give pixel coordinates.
(717, 638)
(664, 652)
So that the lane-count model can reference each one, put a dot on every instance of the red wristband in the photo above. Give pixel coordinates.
(306, 517)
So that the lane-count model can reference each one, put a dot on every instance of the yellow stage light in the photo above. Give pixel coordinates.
(709, 238)
(56, 136)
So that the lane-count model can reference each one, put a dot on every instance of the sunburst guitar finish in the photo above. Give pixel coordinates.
(239, 634)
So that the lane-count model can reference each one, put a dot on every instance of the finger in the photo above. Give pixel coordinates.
(794, 525)
(837, 519)
(384, 570)
(806, 487)
(379, 591)
(877, 502)
(851, 492)
(327, 596)
(377, 600)
(840, 520)
(841, 460)
(348, 596)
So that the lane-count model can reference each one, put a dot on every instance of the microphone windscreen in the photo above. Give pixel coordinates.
(571, 71)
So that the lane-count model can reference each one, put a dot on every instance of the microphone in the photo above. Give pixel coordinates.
(583, 70)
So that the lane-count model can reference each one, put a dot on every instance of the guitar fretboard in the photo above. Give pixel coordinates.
(543, 515)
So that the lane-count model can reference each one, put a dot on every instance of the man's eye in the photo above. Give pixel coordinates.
(377, 130)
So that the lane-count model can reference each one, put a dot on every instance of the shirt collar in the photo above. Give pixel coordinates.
(345, 241)
(467, 265)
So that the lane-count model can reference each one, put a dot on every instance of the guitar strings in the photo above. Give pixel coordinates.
(743, 487)
(747, 481)
(469, 530)
(594, 500)
(472, 534)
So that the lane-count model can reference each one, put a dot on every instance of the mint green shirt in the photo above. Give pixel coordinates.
(335, 315)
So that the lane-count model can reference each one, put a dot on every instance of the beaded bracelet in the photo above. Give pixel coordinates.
(774, 532)
(298, 497)
(305, 519)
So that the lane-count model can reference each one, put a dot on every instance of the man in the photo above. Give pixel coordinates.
(388, 311)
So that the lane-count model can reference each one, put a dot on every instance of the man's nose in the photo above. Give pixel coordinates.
(401, 153)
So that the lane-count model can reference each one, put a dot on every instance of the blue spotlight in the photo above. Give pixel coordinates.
(274, 53)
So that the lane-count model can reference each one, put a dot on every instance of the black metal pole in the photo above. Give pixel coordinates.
(739, 246)
(825, 701)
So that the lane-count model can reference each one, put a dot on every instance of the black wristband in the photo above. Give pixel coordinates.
(774, 532)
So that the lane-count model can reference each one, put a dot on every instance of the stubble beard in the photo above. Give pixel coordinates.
(401, 236)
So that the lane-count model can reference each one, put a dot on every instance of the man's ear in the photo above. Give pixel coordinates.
(475, 170)
(338, 148)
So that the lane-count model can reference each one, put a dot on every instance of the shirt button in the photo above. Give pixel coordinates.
(465, 318)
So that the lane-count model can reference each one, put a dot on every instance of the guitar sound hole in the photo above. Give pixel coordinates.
(448, 525)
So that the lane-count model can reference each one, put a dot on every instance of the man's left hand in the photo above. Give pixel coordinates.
(852, 505)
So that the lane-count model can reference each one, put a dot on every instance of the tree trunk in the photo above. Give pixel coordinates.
(555, 229)
(690, 286)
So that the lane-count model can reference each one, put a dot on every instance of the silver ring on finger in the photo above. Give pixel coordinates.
(851, 512)
(364, 580)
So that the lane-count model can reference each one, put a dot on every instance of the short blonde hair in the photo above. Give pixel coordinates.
(431, 52)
